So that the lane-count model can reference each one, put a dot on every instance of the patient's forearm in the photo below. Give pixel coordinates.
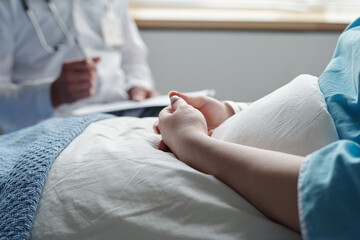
(265, 178)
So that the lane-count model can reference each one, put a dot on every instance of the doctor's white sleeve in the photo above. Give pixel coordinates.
(134, 53)
(21, 105)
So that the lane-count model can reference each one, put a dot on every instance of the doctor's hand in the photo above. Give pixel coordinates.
(178, 124)
(76, 81)
(139, 93)
(214, 111)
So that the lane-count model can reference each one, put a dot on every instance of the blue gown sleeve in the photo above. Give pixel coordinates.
(340, 84)
(329, 192)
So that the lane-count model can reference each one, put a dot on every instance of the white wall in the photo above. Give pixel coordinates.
(240, 65)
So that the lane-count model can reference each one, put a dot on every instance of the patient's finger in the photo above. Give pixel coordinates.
(163, 147)
(210, 132)
(195, 101)
(175, 93)
(176, 102)
(156, 127)
(165, 112)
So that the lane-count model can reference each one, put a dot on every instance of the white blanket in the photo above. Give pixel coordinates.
(111, 182)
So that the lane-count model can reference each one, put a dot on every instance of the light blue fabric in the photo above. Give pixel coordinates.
(25, 159)
(329, 183)
(330, 193)
(340, 84)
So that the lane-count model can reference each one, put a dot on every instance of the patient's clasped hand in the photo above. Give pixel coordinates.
(212, 112)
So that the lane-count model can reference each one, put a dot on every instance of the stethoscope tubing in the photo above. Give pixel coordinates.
(39, 32)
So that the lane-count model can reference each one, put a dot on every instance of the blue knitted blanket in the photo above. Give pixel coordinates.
(25, 159)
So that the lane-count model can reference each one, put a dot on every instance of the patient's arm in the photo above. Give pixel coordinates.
(265, 178)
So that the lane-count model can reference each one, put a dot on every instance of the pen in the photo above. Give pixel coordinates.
(82, 49)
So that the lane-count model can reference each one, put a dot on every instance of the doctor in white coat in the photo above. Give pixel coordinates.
(64, 53)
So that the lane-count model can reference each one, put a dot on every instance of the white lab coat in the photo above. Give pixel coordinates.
(27, 70)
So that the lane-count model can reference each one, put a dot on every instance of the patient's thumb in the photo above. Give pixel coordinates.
(176, 102)
(193, 100)
(179, 94)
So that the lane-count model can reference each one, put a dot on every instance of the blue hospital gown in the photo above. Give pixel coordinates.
(329, 183)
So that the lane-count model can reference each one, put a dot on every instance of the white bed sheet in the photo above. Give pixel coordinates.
(111, 182)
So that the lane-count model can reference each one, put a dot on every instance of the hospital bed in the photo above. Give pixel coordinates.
(111, 181)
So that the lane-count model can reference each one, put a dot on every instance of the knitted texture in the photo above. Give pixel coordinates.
(25, 159)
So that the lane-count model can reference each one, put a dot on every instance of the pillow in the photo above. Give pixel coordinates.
(293, 119)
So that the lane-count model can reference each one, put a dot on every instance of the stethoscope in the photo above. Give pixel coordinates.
(39, 31)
